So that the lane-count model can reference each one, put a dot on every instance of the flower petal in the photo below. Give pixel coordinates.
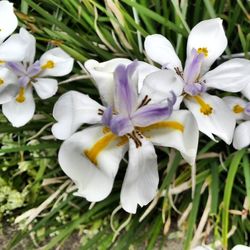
(8, 85)
(13, 49)
(242, 135)
(204, 35)
(237, 105)
(219, 119)
(8, 21)
(179, 131)
(241, 247)
(20, 113)
(45, 87)
(246, 91)
(71, 111)
(159, 85)
(121, 125)
(103, 75)
(56, 62)
(231, 76)
(141, 179)
(159, 49)
(94, 182)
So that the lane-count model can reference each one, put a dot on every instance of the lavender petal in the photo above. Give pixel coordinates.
(23, 81)
(247, 109)
(17, 68)
(107, 116)
(194, 88)
(121, 125)
(34, 69)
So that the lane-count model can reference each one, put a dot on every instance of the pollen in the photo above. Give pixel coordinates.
(205, 108)
(203, 51)
(238, 109)
(99, 146)
(21, 95)
(49, 65)
(1, 81)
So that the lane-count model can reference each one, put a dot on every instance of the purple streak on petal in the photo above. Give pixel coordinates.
(152, 113)
(247, 109)
(17, 68)
(195, 88)
(126, 93)
(193, 67)
(23, 81)
(121, 125)
(107, 116)
(34, 69)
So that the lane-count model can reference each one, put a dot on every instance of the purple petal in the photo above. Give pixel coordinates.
(126, 90)
(247, 109)
(194, 88)
(17, 68)
(107, 116)
(23, 81)
(34, 69)
(193, 67)
(152, 113)
(121, 125)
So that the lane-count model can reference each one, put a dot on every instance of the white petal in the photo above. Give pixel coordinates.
(71, 111)
(8, 21)
(185, 141)
(30, 41)
(20, 113)
(62, 63)
(220, 122)
(8, 86)
(246, 91)
(159, 49)
(208, 34)
(232, 102)
(158, 86)
(202, 248)
(94, 182)
(231, 76)
(241, 247)
(103, 76)
(141, 180)
(242, 135)
(13, 49)
(45, 87)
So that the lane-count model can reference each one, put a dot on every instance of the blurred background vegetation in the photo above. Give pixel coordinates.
(36, 198)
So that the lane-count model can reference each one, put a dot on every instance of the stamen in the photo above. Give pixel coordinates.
(205, 109)
(99, 146)
(100, 112)
(136, 140)
(238, 109)
(145, 101)
(1, 81)
(178, 72)
(49, 65)
(21, 97)
(203, 51)
(165, 124)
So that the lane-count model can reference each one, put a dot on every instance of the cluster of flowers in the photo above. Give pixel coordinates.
(140, 106)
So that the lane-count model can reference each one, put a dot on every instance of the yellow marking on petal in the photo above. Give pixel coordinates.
(205, 109)
(238, 109)
(99, 146)
(1, 81)
(165, 124)
(105, 130)
(2, 62)
(21, 95)
(123, 141)
(203, 51)
(49, 65)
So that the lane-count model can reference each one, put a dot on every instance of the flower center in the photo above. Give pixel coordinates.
(205, 108)
(21, 95)
(1, 81)
(238, 109)
(203, 51)
(49, 65)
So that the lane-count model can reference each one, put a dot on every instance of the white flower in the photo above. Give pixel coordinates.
(206, 42)
(128, 122)
(12, 49)
(241, 247)
(17, 80)
(241, 110)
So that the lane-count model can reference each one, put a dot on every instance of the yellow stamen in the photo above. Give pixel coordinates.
(165, 124)
(238, 109)
(205, 109)
(49, 65)
(100, 145)
(21, 97)
(203, 51)
(105, 130)
(1, 81)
